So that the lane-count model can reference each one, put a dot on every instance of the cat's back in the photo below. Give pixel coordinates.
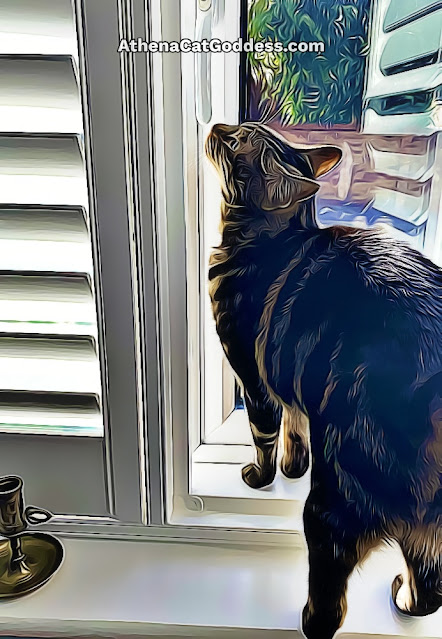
(401, 285)
(398, 292)
(389, 267)
(355, 297)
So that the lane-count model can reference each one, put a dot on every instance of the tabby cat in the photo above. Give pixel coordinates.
(341, 329)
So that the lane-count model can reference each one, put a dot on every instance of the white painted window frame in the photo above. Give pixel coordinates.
(271, 512)
(151, 398)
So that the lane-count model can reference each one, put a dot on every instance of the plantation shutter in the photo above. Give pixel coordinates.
(413, 46)
(50, 380)
(400, 12)
(406, 44)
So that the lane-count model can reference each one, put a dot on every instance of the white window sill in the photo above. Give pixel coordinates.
(216, 480)
(217, 464)
(170, 589)
(235, 430)
(224, 480)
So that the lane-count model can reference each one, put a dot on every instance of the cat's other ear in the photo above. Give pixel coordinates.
(323, 159)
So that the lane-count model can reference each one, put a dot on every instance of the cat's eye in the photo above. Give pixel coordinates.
(233, 144)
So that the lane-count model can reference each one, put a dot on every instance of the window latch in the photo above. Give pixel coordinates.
(204, 5)
(203, 76)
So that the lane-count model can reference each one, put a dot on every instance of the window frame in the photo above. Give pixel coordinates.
(162, 398)
(279, 516)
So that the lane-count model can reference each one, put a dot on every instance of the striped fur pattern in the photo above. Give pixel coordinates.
(340, 329)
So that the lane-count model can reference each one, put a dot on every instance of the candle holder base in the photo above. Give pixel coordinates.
(40, 557)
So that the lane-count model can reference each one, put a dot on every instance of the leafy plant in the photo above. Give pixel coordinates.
(311, 88)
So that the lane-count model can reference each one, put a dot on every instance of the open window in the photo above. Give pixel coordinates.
(222, 420)
(207, 485)
(388, 129)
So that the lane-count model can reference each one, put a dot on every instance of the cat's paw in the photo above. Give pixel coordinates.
(405, 603)
(399, 601)
(296, 465)
(319, 626)
(257, 477)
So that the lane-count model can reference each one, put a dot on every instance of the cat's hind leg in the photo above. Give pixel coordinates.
(333, 553)
(265, 422)
(419, 592)
(295, 460)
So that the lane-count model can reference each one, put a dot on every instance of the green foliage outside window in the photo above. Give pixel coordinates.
(310, 88)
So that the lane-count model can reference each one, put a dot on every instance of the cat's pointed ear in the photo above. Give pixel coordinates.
(283, 192)
(323, 159)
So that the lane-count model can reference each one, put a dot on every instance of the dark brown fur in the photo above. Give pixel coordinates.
(341, 328)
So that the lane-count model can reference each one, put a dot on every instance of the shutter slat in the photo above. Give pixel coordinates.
(51, 305)
(53, 257)
(40, 239)
(42, 170)
(400, 12)
(37, 26)
(36, 413)
(60, 224)
(49, 365)
(403, 166)
(39, 95)
(412, 42)
(410, 208)
(415, 80)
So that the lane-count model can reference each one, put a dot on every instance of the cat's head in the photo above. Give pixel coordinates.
(260, 170)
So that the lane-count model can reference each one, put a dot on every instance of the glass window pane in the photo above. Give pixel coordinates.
(391, 144)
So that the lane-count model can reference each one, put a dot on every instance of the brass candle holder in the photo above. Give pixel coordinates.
(27, 559)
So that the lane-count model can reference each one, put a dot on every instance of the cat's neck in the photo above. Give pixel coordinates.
(241, 226)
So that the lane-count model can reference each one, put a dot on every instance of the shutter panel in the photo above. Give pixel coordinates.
(49, 366)
(78, 447)
(406, 44)
(405, 68)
